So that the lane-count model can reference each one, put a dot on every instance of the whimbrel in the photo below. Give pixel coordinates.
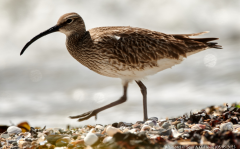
(124, 52)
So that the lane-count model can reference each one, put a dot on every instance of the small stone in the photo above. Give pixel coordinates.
(146, 128)
(189, 122)
(153, 118)
(232, 109)
(215, 130)
(29, 139)
(160, 129)
(75, 137)
(166, 132)
(237, 130)
(153, 137)
(175, 123)
(5, 135)
(136, 125)
(236, 126)
(100, 127)
(209, 132)
(49, 131)
(40, 134)
(198, 127)
(207, 126)
(121, 124)
(166, 125)
(156, 132)
(33, 132)
(78, 143)
(121, 128)
(235, 120)
(107, 139)
(126, 130)
(41, 139)
(157, 126)
(187, 130)
(50, 146)
(175, 133)
(204, 141)
(180, 125)
(115, 125)
(133, 130)
(62, 131)
(53, 138)
(112, 130)
(34, 144)
(162, 120)
(70, 146)
(140, 122)
(128, 124)
(181, 130)
(186, 135)
(202, 126)
(187, 125)
(43, 142)
(226, 126)
(14, 130)
(203, 114)
(14, 143)
(62, 142)
(150, 123)
(196, 137)
(56, 129)
(91, 138)
(23, 144)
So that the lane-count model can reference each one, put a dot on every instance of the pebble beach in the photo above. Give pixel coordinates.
(212, 127)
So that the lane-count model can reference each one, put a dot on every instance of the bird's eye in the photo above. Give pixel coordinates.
(69, 21)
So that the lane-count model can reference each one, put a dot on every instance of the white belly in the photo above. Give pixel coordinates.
(139, 74)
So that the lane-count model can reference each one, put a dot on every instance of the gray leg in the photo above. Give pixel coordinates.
(144, 93)
(89, 114)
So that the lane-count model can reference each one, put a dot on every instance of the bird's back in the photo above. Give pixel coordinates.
(129, 52)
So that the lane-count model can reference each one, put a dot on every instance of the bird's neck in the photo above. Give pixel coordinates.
(77, 40)
(76, 37)
(77, 44)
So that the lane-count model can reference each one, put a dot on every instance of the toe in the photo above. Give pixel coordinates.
(79, 116)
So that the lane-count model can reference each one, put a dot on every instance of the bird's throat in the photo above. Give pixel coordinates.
(77, 38)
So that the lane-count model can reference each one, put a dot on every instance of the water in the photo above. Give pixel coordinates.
(46, 85)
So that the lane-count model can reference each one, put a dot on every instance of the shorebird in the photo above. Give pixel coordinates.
(124, 52)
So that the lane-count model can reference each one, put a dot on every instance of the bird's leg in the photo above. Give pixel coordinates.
(89, 114)
(144, 93)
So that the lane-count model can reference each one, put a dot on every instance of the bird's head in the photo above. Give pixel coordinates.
(67, 24)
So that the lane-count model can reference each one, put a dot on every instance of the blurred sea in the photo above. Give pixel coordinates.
(46, 85)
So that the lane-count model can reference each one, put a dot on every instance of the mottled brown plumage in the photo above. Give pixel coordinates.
(125, 52)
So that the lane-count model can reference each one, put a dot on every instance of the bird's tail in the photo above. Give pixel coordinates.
(193, 34)
(206, 41)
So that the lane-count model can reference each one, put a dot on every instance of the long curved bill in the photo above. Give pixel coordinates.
(49, 31)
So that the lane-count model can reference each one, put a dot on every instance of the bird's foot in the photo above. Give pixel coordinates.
(85, 116)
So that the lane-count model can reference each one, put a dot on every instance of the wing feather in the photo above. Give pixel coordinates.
(137, 47)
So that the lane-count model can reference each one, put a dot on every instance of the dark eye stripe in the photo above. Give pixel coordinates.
(69, 20)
